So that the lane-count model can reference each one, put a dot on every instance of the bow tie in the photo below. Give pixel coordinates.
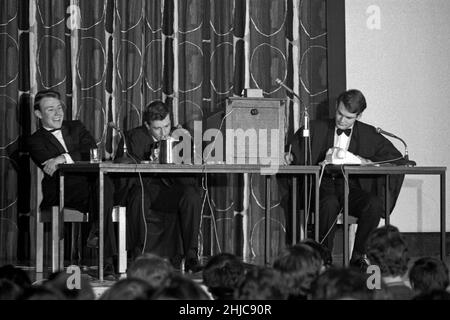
(346, 131)
(53, 130)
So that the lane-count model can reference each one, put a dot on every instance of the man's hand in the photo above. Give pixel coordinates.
(51, 165)
(288, 158)
(365, 161)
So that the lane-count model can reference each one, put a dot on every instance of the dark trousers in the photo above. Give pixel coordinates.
(81, 193)
(172, 216)
(367, 207)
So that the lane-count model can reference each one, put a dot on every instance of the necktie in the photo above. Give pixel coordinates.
(346, 132)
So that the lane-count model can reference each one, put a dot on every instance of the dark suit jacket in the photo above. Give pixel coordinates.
(43, 145)
(365, 142)
(140, 145)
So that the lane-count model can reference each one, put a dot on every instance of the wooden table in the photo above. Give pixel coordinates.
(109, 167)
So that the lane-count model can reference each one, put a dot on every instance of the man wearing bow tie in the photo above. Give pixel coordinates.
(59, 141)
(366, 201)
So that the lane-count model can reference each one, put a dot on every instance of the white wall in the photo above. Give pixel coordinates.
(400, 60)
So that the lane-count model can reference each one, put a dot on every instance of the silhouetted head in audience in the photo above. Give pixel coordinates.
(341, 284)
(179, 287)
(387, 249)
(43, 293)
(300, 265)
(262, 283)
(16, 275)
(69, 285)
(433, 295)
(428, 274)
(223, 274)
(9, 290)
(128, 289)
(151, 268)
(324, 252)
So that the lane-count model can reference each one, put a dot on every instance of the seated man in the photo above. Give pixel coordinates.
(168, 194)
(59, 141)
(365, 200)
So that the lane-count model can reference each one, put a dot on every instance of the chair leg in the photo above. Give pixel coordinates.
(55, 239)
(73, 243)
(122, 240)
(39, 243)
(351, 237)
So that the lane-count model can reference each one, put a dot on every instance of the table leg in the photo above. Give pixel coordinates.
(57, 264)
(267, 222)
(303, 222)
(316, 218)
(387, 205)
(101, 225)
(294, 210)
(443, 226)
(345, 224)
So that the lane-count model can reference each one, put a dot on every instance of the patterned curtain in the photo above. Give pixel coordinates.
(110, 58)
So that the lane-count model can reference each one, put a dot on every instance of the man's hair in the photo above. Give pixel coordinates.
(387, 249)
(152, 268)
(300, 265)
(44, 94)
(324, 252)
(155, 111)
(128, 289)
(428, 274)
(341, 283)
(223, 274)
(353, 101)
(262, 283)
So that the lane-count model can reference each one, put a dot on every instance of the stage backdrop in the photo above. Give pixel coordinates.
(109, 59)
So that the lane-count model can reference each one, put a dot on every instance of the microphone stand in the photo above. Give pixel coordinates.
(125, 157)
(408, 163)
(306, 140)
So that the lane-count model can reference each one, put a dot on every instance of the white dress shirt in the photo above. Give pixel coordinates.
(58, 135)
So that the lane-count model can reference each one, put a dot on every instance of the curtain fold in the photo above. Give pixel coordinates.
(111, 58)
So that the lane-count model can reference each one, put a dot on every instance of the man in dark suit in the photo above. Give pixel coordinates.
(59, 141)
(172, 204)
(365, 198)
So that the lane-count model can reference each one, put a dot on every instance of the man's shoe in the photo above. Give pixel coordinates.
(108, 272)
(92, 241)
(192, 265)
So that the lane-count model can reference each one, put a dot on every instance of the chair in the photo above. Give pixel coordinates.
(352, 225)
(73, 216)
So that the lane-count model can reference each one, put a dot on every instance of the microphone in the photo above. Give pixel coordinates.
(409, 163)
(125, 158)
(278, 81)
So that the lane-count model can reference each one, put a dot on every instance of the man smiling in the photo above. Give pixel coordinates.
(59, 141)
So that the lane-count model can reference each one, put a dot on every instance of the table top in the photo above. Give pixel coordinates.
(392, 169)
(108, 166)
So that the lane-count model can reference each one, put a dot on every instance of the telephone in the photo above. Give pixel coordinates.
(340, 156)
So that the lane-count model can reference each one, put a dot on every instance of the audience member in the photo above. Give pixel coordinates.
(300, 265)
(342, 284)
(387, 249)
(428, 274)
(262, 283)
(151, 268)
(222, 275)
(179, 287)
(128, 289)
